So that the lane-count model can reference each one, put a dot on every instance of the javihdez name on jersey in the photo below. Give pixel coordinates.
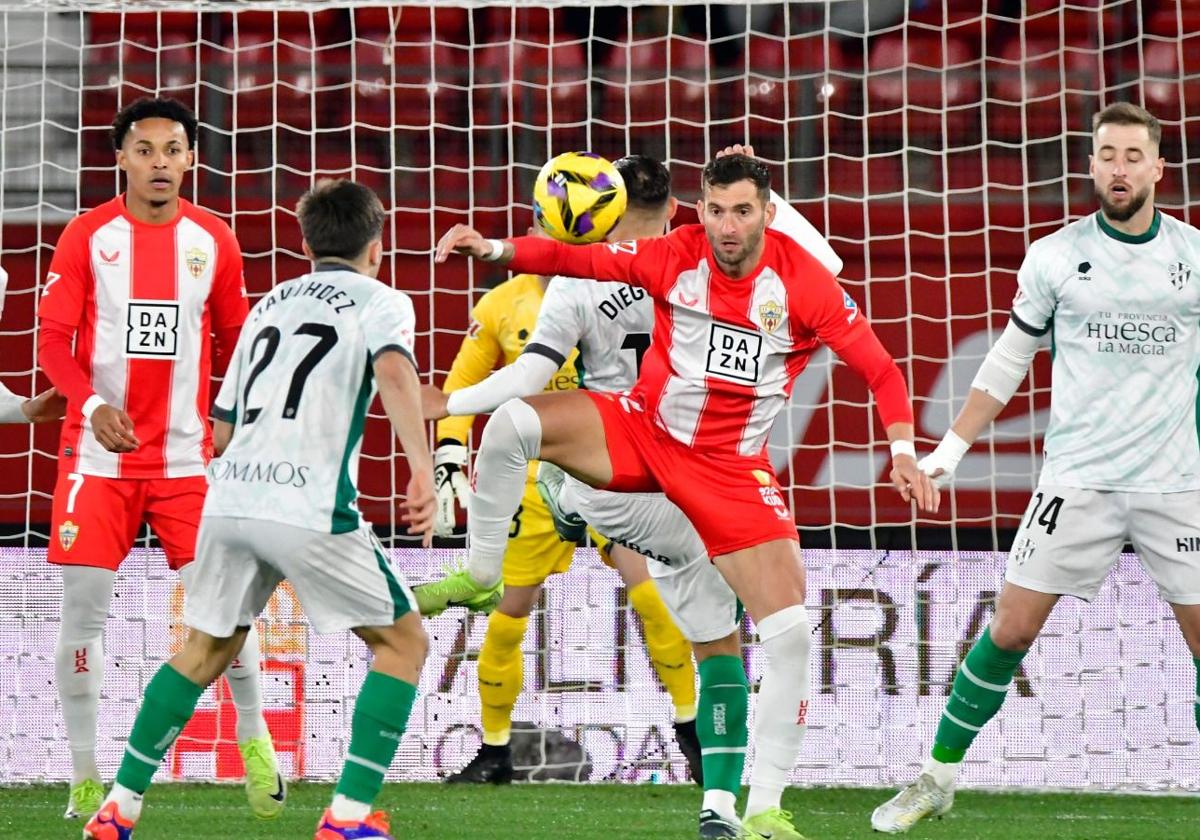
(272, 472)
(327, 292)
(621, 299)
(1134, 333)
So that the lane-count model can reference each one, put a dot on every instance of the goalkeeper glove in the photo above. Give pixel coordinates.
(944, 458)
(450, 483)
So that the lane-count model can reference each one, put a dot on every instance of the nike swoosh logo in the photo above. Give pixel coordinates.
(278, 794)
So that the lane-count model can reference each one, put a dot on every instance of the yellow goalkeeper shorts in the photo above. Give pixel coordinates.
(534, 549)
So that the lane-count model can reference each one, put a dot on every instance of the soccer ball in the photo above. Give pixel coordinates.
(578, 197)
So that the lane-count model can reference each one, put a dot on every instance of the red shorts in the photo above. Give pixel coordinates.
(733, 501)
(96, 519)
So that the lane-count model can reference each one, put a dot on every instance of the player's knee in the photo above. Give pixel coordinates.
(726, 646)
(404, 643)
(1012, 632)
(514, 427)
(205, 657)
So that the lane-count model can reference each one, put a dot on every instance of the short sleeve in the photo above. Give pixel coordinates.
(225, 406)
(560, 322)
(390, 324)
(68, 278)
(1033, 307)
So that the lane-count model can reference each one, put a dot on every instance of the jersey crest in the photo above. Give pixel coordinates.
(770, 315)
(197, 261)
(1180, 273)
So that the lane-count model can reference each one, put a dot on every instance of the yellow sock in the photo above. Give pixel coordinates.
(500, 675)
(670, 653)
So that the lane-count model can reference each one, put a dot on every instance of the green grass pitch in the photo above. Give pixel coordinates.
(611, 812)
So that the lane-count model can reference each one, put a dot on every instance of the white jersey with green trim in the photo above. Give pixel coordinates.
(1124, 316)
(611, 323)
(297, 392)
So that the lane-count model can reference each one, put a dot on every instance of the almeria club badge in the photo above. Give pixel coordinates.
(197, 261)
(67, 532)
(770, 315)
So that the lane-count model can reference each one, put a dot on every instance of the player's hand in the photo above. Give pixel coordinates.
(420, 506)
(462, 239)
(915, 485)
(941, 463)
(737, 149)
(433, 402)
(450, 484)
(114, 429)
(46, 407)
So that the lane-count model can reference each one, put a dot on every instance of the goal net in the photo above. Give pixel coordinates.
(932, 142)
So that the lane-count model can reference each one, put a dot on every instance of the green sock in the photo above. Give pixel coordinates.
(979, 688)
(1196, 705)
(167, 706)
(721, 722)
(380, 715)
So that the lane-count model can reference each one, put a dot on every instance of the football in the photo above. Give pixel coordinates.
(578, 197)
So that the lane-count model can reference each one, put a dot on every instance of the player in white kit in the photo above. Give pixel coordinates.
(1117, 292)
(283, 505)
(611, 324)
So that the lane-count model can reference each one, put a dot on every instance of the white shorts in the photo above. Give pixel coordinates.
(704, 607)
(1070, 538)
(342, 581)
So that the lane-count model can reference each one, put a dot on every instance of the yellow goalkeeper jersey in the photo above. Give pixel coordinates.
(501, 324)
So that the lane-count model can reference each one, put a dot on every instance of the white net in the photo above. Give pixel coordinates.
(931, 141)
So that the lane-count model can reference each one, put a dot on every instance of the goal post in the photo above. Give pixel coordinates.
(932, 143)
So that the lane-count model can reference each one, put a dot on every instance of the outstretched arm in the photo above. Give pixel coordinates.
(538, 255)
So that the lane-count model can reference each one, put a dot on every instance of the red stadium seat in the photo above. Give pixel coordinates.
(537, 84)
(171, 69)
(659, 78)
(1052, 19)
(929, 82)
(413, 24)
(1032, 82)
(273, 79)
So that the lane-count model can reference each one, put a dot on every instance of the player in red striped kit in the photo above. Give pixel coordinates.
(739, 309)
(149, 287)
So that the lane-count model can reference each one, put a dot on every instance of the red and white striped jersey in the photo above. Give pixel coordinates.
(144, 300)
(725, 351)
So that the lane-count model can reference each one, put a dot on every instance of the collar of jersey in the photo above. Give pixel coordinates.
(1130, 238)
(714, 268)
(136, 221)
(332, 267)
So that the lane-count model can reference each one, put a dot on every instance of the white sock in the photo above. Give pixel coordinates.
(779, 717)
(511, 439)
(349, 810)
(79, 661)
(246, 688)
(128, 802)
(943, 774)
(722, 802)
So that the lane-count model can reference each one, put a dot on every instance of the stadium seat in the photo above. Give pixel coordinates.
(1051, 19)
(930, 84)
(1027, 87)
(1173, 19)
(171, 69)
(412, 24)
(533, 83)
(1170, 73)
(272, 78)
